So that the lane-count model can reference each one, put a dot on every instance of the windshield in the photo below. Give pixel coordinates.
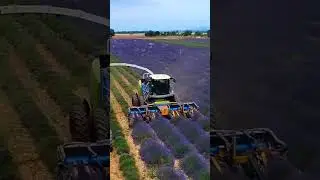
(161, 87)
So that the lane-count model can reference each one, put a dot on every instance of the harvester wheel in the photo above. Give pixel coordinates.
(135, 100)
(101, 124)
(79, 124)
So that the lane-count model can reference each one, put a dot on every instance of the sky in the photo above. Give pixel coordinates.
(161, 15)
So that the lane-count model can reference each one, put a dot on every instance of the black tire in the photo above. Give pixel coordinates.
(135, 100)
(101, 124)
(79, 124)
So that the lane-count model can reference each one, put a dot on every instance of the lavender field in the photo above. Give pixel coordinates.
(179, 148)
(189, 65)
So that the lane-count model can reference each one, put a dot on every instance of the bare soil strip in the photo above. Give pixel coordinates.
(115, 172)
(50, 59)
(134, 150)
(21, 145)
(44, 102)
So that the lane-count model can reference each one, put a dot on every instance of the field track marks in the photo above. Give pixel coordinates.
(134, 150)
(50, 59)
(20, 144)
(115, 172)
(44, 102)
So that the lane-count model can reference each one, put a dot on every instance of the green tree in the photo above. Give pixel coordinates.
(187, 33)
(112, 33)
(198, 33)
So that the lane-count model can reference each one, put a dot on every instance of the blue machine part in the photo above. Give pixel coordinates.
(145, 89)
(154, 108)
(241, 148)
(85, 160)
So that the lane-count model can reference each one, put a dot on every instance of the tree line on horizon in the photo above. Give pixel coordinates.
(165, 33)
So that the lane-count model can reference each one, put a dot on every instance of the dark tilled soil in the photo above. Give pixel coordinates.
(266, 72)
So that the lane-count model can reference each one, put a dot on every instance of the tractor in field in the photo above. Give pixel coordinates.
(245, 152)
(87, 156)
(156, 97)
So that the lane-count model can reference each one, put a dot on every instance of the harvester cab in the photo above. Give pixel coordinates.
(155, 97)
(158, 98)
(155, 88)
(247, 151)
(87, 156)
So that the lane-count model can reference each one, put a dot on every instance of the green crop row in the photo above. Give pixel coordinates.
(128, 70)
(127, 163)
(46, 139)
(25, 46)
(114, 73)
(64, 51)
(132, 79)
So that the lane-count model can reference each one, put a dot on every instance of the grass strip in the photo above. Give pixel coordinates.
(116, 75)
(127, 163)
(64, 51)
(133, 80)
(46, 139)
(114, 59)
(58, 88)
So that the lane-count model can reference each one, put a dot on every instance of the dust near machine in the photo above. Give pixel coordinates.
(245, 152)
(87, 156)
(156, 98)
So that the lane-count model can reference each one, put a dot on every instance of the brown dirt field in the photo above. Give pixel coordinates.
(115, 172)
(41, 98)
(21, 145)
(134, 150)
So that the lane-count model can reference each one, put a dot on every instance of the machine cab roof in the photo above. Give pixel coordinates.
(159, 76)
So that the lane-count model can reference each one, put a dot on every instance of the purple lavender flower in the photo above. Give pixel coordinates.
(155, 154)
(169, 173)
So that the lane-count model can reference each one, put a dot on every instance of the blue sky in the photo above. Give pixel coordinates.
(159, 15)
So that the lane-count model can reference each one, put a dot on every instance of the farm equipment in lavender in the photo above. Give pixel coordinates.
(245, 151)
(156, 97)
(87, 156)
